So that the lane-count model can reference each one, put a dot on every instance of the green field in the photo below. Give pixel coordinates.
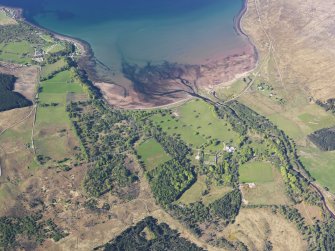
(14, 58)
(270, 187)
(49, 69)
(271, 193)
(296, 119)
(47, 38)
(54, 48)
(17, 52)
(19, 48)
(320, 164)
(197, 124)
(62, 83)
(199, 192)
(152, 153)
(232, 90)
(54, 135)
(67, 76)
(256, 172)
(194, 193)
(215, 193)
(54, 88)
(289, 126)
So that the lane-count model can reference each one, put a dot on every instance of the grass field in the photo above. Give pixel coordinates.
(256, 172)
(197, 124)
(62, 83)
(197, 192)
(270, 188)
(271, 193)
(152, 153)
(22, 47)
(54, 135)
(298, 118)
(194, 193)
(47, 38)
(17, 52)
(215, 193)
(67, 76)
(54, 48)
(320, 164)
(51, 68)
(14, 58)
(232, 90)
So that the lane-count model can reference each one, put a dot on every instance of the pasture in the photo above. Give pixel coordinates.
(198, 125)
(320, 164)
(270, 187)
(16, 52)
(195, 192)
(54, 48)
(50, 69)
(199, 191)
(54, 135)
(152, 154)
(256, 172)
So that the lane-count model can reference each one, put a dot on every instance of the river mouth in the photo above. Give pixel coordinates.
(190, 34)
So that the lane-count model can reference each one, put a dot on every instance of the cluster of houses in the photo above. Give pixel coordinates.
(226, 148)
(38, 55)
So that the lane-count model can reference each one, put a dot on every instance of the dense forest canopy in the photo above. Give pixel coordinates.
(9, 98)
(324, 139)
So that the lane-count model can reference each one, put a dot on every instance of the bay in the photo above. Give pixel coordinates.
(181, 31)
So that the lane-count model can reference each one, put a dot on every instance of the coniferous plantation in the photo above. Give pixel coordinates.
(324, 139)
(9, 98)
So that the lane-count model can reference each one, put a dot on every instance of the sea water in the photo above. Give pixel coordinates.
(138, 31)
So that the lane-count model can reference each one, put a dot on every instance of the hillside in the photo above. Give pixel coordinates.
(301, 34)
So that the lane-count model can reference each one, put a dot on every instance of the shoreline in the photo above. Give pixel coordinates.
(238, 27)
(86, 59)
(238, 19)
(83, 46)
